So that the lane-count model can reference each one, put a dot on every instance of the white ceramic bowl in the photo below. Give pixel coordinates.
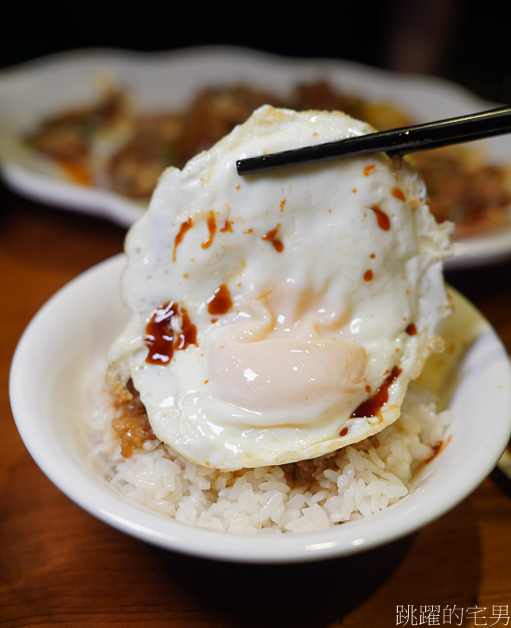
(72, 332)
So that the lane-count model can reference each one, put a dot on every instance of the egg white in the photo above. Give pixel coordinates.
(323, 295)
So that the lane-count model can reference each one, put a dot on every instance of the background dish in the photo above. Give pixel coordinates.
(163, 80)
(53, 361)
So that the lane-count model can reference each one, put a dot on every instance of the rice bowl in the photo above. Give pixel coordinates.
(67, 340)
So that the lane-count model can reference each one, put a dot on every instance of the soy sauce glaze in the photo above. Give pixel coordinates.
(162, 340)
(370, 407)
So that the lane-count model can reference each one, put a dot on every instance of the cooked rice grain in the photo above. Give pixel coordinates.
(358, 480)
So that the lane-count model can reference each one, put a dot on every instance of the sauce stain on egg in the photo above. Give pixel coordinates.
(212, 230)
(187, 224)
(161, 338)
(381, 218)
(227, 226)
(397, 193)
(370, 407)
(271, 237)
(220, 302)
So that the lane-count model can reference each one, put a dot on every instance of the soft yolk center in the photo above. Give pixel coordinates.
(281, 375)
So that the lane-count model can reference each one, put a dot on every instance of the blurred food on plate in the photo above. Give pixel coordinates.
(111, 145)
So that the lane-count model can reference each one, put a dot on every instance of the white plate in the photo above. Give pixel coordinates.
(167, 80)
(68, 338)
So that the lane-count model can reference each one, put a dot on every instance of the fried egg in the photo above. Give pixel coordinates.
(278, 317)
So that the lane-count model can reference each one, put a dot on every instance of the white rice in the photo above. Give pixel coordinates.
(362, 479)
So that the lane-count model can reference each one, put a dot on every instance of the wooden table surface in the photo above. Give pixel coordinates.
(59, 566)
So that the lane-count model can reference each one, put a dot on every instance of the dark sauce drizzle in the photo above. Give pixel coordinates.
(211, 229)
(370, 407)
(271, 236)
(381, 218)
(187, 224)
(220, 302)
(160, 337)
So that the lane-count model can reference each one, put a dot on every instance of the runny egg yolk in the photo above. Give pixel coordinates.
(290, 368)
(279, 374)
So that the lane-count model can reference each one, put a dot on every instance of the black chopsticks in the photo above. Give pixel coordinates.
(395, 142)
